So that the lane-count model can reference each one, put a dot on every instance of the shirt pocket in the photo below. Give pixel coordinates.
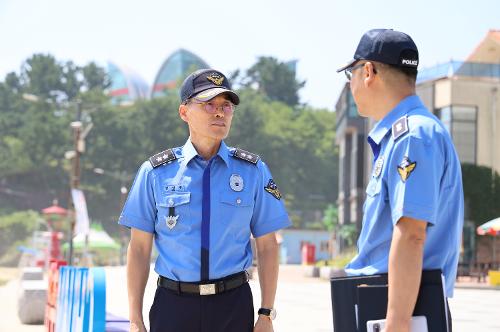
(236, 207)
(179, 203)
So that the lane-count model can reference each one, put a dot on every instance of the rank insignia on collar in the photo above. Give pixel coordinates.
(162, 158)
(215, 78)
(272, 188)
(400, 127)
(378, 166)
(245, 155)
(405, 168)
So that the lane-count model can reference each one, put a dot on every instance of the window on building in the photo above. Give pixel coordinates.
(461, 123)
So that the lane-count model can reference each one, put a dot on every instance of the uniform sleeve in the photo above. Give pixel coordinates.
(415, 170)
(140, 208)
(269, 211)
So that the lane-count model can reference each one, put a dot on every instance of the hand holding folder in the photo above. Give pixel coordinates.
(357, 300)
(417, 324)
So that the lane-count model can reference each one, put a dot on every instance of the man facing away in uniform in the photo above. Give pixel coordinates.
(200, 204)
(413, 214)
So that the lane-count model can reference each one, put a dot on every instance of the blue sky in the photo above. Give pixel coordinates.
(231, 34)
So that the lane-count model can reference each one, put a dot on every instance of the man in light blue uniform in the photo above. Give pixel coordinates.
(201, 203)
(413, 213)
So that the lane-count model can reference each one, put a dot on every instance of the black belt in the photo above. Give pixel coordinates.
(210, 287)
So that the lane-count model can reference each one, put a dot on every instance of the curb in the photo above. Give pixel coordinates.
(497, 288)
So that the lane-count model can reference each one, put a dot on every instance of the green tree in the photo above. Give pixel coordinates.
(481, 193)
(35, 134)
(349, 234)
(331, 217)
(298, 145)
(42, 76)
(16, 229)
(297, 142)
(95, 77)
(71, 84)
(275, 79)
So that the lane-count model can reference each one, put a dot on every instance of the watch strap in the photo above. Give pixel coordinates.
(264, 311)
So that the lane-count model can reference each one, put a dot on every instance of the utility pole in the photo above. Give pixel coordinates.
(75, 174)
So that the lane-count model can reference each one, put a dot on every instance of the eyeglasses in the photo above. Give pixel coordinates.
(348, 71)
(211, 108)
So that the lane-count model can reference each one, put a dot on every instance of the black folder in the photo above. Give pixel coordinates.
(364, 298)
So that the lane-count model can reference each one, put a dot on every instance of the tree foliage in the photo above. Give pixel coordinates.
(481, 193)
(16, 226)
(331, 217)
(296, 141)
(274, 79)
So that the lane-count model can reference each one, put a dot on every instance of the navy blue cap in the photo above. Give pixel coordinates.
(386, 46)
(205, 84)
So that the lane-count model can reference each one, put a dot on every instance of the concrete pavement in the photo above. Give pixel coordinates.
(8, 311)
(303, 304)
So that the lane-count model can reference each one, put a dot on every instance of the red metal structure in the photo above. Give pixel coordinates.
(55, 215)
(51, 307)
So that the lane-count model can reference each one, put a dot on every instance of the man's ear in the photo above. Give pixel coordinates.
(183, 110)
(368, 73)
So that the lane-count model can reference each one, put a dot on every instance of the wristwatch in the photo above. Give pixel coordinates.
(269, 313)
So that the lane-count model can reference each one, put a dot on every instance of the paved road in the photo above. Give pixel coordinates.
(303, 304)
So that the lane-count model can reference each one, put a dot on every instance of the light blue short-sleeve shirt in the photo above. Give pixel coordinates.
(244, 201)
(416, 174)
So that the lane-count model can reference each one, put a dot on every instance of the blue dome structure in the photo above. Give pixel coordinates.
(126, 85)
(173, 71)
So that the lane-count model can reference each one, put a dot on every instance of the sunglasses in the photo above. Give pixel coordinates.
(348, 71)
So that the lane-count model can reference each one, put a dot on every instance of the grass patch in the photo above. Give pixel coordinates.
(340, 261)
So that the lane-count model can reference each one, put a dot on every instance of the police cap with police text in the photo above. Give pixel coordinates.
(386, 46)
(205, 84)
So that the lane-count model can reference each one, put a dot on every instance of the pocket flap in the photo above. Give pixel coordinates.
(175, 199)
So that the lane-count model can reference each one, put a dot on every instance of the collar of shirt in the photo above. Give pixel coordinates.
(189, 152)
(384, 126)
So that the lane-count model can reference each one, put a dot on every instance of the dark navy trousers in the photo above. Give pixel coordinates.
(231, 311)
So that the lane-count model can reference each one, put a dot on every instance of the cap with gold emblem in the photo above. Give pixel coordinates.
(205, 84)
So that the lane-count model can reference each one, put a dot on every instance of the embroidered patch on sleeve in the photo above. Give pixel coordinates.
(272, 188)
(405, 168)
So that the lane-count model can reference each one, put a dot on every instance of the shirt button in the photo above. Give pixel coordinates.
(238, 201)
(170, 202)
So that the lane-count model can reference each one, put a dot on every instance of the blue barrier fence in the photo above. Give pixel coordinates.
(81, 301)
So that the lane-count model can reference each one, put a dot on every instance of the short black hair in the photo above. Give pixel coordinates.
(409, 72)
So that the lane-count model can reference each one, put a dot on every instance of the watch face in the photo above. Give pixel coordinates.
(273, 314)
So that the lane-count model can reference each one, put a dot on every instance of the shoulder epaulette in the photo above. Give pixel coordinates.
(162, 158)
(400, 127)
(245, 155)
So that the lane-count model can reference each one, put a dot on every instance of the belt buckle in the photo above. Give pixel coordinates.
(207, 289)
